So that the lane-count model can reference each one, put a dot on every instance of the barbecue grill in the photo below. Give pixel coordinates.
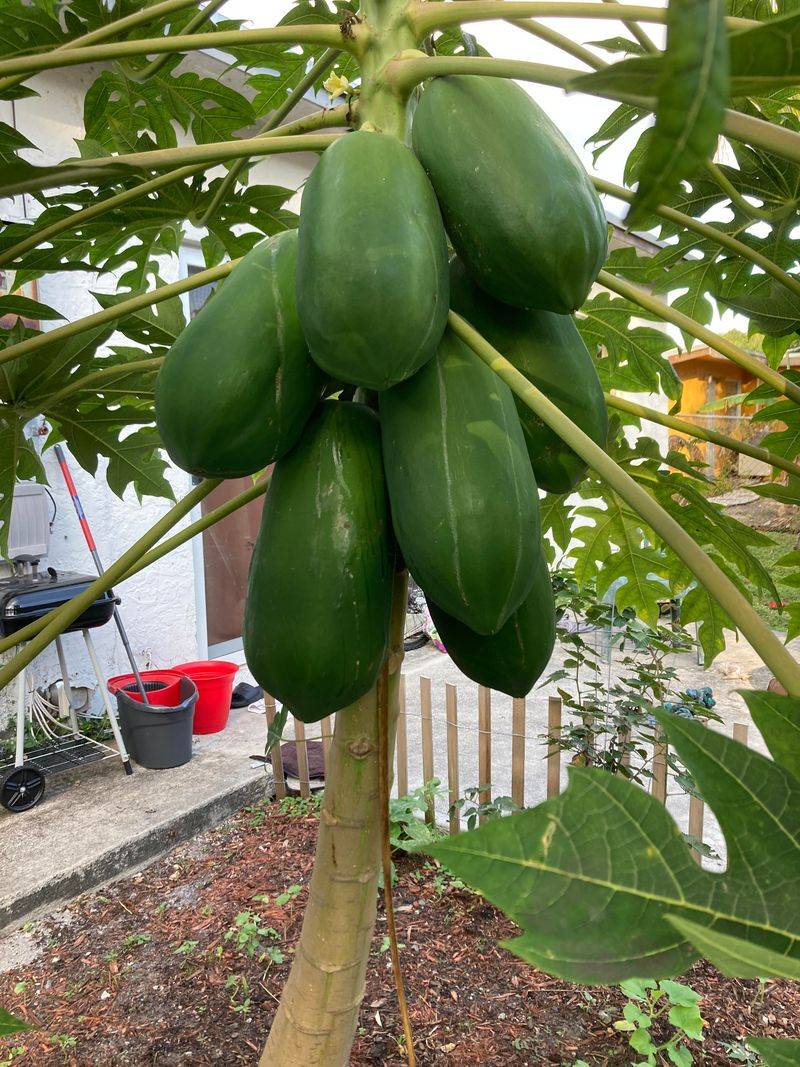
(59, 745)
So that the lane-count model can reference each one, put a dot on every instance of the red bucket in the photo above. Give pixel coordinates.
(162, 687)
(214, 681)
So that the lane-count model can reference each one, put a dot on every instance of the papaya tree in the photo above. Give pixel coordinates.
(432, 357)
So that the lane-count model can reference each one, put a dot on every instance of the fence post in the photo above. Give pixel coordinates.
(302, 757)
(326, 735)
(485, 745)
(696, 820)
(451, 698)
(518, 751)
(740, 732)
(553, 749)
(658, 787)
(277, 759)
(402, 741)
(426, 723)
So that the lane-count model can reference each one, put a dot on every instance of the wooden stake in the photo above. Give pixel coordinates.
(302, 757)
(277, 759)
(485, 745)
(659, 784)
(402, 742)
(451, 698)
(427, 740)
(553, 749)
(518, 751)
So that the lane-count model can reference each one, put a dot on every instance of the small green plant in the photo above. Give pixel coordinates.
(64, 1041)
(185, 948)
(12, 1054)
(472, 809)
(283, 898)
(135, 940)
(648, 1001)
(250, 937)
(239, 990)
(301, 807)
(407, 827)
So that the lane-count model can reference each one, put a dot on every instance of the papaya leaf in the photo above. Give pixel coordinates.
(628, 357)
(25, 308)
(619, 122)
(776, 1051)
(9, 1024)
(618, 895)
(786, 494)
(771, 308)
(692, 94)
(778, 720)
(766, 56)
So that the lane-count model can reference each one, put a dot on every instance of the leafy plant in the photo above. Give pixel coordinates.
(648, 1001)
(249, 936)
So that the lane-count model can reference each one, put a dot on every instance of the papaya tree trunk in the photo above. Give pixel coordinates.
(316, 1020)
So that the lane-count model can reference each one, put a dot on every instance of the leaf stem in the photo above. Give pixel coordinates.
(739, 248)
(104, 374)
(753, 212)
(69, 612)
(433, 15)
(164, 158)
(322, 120)
(636, 30)
(730, 599)
(193, 24)
(726, 348)
(404, 73)
(117, 311)
(326, 60)
(324, 34)
(102, 33)
(702, 433)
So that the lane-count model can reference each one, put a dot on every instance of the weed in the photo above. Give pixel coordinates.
(135, 940)
(288, 894)
(239, 990)
(64, 1041)
(185, 948)
(301, 807)
(250, 937)
(649, 1000)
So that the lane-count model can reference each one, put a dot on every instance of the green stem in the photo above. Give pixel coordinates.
(326, 35)
(703, 434)
(193, 24)
(730, 599)
(404, 73)
(155, 554)
(431, 15)
(122, 25)
(322, 120)
(106, 374)
(70, 611)
(733, 194)
(558, 40)
(726, 348)
(326, 60)
(165, 158)
(637, 31)
(739, 248)
(116, 311)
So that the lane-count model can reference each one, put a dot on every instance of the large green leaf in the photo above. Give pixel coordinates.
(776, 1051)
(11, 1025)
(604, 887)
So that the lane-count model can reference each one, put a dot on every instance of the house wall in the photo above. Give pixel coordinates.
(158, 605)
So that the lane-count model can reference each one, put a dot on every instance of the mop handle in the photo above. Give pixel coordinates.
(87, 533)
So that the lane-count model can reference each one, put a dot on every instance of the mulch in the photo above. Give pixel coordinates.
(141, 971)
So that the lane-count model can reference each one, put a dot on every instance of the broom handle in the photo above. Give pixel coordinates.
(87, 533)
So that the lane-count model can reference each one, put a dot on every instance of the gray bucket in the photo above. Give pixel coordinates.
(158, 737)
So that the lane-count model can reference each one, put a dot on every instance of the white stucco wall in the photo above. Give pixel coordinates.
(158, 605)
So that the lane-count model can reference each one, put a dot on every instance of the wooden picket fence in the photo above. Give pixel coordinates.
(530, 753)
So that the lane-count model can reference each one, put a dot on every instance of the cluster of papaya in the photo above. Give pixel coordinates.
(438, 467)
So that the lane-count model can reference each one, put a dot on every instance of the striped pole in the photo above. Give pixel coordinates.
(87, 533)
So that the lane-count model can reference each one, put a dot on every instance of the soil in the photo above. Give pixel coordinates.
(143, 972)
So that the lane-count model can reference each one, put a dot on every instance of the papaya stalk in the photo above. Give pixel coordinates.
(129, 22)
(61, 618)
(766, 644)
(331, 118)
(327, 35)
(316, 1020)
(404, 72)
(702, 433)
(126, 165)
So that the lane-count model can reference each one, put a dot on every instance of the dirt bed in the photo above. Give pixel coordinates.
(156, 969)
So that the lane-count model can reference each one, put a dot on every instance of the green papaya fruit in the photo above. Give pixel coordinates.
(512, 660)
(316, 620)
(520, 209)
(549, 351)
(464, 501)
(238, 385)
(372, 289)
